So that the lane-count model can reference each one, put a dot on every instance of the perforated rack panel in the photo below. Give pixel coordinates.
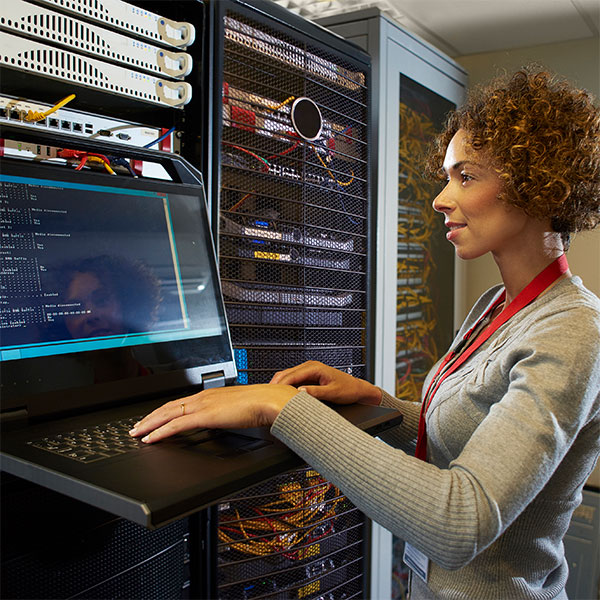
(24, 18)
(131, 19)
(293, 536)
(293, 199)
(28, 56)
(55, 547)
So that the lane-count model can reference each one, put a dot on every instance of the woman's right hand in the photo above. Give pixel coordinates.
(329, 384)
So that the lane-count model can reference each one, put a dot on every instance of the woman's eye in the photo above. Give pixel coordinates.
(465, 177)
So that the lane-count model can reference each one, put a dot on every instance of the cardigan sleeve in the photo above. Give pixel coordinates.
(453, 513)
(394, 489)
(405, 435)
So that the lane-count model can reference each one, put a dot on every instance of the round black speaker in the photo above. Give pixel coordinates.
(306, 118)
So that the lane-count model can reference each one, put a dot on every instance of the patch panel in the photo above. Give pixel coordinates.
(81, 124)
(260, 228)
(291, 55)
(29, 150)
(273, 294)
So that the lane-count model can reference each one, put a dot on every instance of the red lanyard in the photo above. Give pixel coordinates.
(540, 283)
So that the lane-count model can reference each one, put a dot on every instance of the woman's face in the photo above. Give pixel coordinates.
(478, 222)
(101, 311)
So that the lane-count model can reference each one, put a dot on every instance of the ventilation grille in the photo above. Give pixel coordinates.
(293, 536)
(56, 28)
(129, 18)
(56, 547)
(40, 59)
(293, 205)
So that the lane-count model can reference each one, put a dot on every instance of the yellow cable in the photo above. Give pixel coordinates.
(101, 160)
(34, 116)
(282, 104)
(343, 183)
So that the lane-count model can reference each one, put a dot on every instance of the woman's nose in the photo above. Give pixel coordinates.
(442, 202)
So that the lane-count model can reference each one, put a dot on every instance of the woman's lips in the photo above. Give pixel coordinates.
(454, 229)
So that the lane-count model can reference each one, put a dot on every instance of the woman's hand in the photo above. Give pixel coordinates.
(329, 384)
(218, 408)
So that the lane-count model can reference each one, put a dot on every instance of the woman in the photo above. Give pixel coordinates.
(116, 296)
(511, 421)
(112, 296)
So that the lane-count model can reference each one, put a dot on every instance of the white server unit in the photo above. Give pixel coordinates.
(57, 63)
(46, 25)
(130, 19)
(112, 47)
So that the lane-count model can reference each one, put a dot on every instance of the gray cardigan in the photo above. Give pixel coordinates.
(512, 437)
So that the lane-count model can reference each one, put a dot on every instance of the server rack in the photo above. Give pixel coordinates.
(285, 143)
(284, 146)
(52, 546)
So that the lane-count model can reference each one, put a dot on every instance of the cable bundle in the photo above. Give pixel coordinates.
(416, 350)
(289, 524)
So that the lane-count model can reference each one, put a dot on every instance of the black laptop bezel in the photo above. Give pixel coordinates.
(186, 379)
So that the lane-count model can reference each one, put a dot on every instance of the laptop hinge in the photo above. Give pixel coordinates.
(213, 380)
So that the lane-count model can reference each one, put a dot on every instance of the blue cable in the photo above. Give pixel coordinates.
(161, 138)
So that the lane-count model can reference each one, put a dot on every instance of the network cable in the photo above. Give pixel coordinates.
(33, 116)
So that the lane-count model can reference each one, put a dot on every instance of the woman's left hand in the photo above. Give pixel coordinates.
(219, 408)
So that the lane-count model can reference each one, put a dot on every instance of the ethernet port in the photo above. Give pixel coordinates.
(42, 122)
(3, 113)
(15, 114)
(66, 125)
(52, 122)
(77, 127)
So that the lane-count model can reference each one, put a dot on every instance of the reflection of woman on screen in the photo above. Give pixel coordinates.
(115, 296)
(108, 296)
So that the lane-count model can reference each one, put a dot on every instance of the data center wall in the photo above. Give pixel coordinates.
(290, 182)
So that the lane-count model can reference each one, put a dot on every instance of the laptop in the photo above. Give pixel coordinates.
(111, 305)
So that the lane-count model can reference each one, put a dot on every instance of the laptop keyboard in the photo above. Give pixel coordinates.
(92, 443)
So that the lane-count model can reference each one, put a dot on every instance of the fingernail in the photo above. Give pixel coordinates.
(133, 431)
(146, 439)
(301, 389)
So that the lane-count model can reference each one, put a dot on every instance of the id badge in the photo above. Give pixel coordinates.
(417, 561)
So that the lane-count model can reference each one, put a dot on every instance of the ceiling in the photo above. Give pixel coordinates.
(461, 27)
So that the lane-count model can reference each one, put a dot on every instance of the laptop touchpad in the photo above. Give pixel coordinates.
(221, 443)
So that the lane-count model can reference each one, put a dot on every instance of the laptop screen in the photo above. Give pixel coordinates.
(104, 279)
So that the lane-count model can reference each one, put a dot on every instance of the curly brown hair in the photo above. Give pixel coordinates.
(543, 137)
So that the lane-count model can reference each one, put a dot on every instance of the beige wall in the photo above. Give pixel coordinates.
(580, 62)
